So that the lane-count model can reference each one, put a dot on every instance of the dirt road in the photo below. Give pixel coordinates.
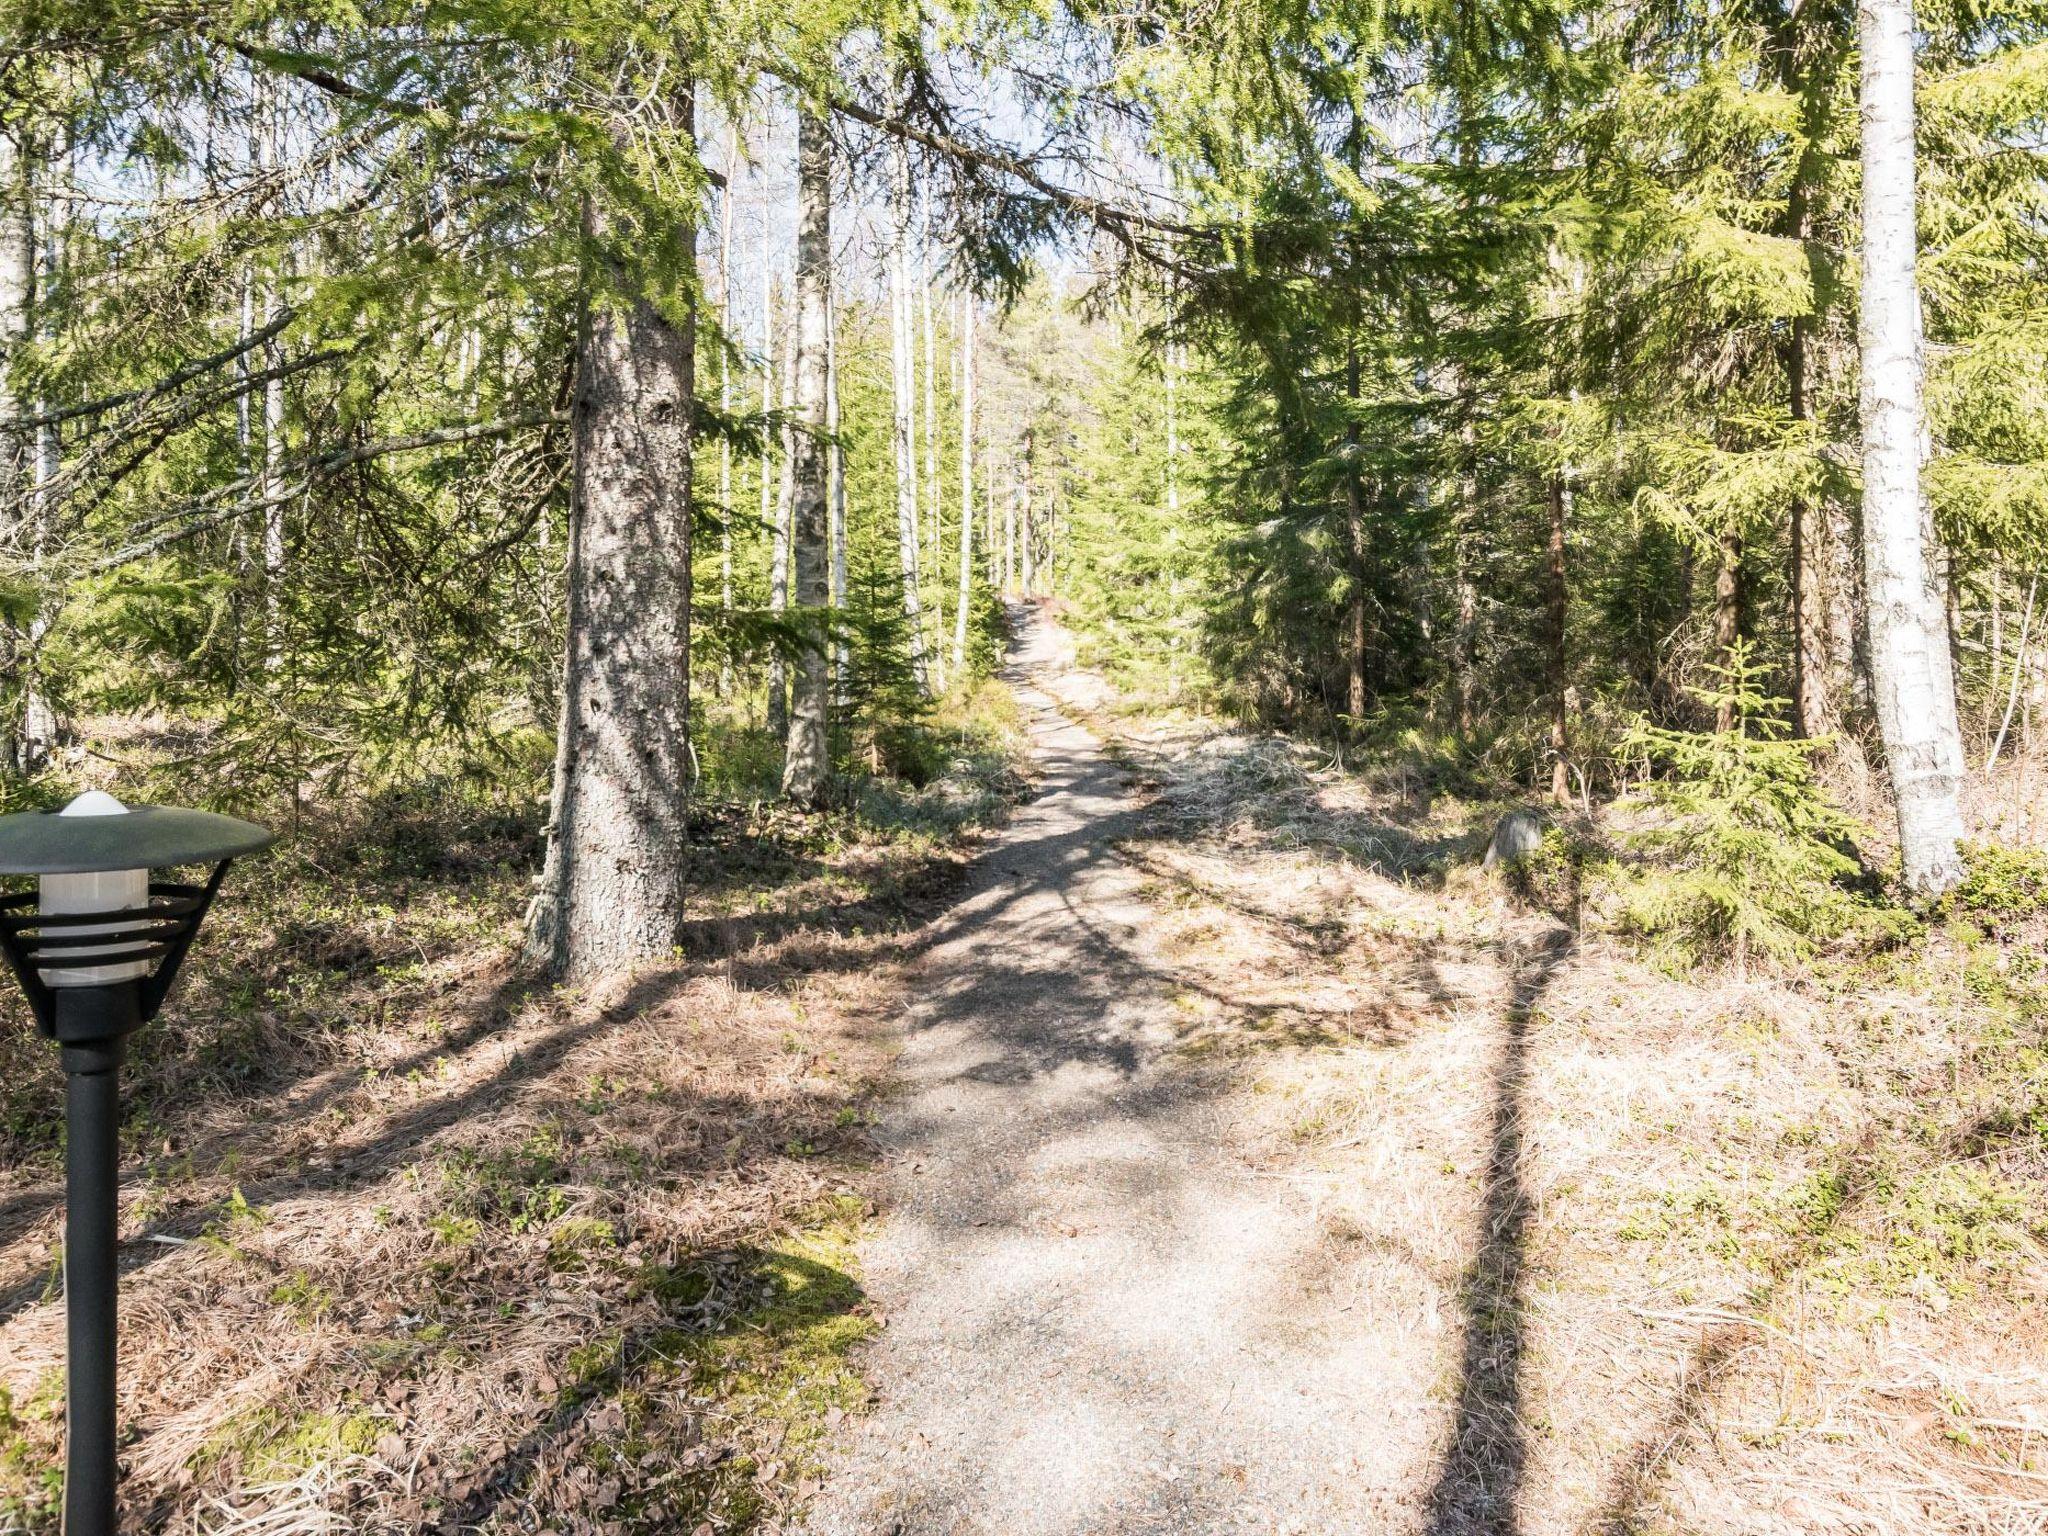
(1101, 1319)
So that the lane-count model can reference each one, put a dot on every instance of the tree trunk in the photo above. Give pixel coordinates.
(1915, 705)
(767, 487)
(805, 763)
(1813, 702)
(17, 294)
(611, 894)
(934, 473)
(1027, 558)
(28, 725)
(1010, 535)
(778, 552)
(17, 445)
(835, 471)
(1727, 613)
(1559, 657)
(1172, 431)
(267, 134)
(904, 381)
(1465, 590)
(964, 598)
(725, 504)
(1358, 649)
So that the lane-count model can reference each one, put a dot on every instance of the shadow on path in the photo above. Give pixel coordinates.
(1478, 1487)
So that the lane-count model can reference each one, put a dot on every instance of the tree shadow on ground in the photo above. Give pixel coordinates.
(231, 1119)
(1716, 1356)
(1257, 785)
(712, 1302)
(1478, 1486)
(285, 1094)
(629, 1179)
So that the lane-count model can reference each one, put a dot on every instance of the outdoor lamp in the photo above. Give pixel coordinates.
(96, 947)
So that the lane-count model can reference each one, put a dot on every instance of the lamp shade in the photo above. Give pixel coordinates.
(97, 926)
(147, 837)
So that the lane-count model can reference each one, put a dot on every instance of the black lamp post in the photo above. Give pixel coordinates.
(96, 947)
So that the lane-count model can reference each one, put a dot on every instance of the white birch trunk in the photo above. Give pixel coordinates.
(17, 293)
(901, 337)
(18, 519)
(1908, 635)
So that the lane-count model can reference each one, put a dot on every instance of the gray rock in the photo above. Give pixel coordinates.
(1519, 834)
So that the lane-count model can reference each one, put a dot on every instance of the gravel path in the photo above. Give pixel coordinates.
(1100, 1319)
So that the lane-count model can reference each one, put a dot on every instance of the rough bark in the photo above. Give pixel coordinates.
(1558, 656)
(1727, 613)
(725, 506)
(778, 554)
(1027, 554)
(1358, 649)
(1813, 696)
(964, 598)
(1915, 705)
(611, 894)
(1010, 536)
(1465, 590)
(1172, 430)
(767, 383)
(805, 763)
(268, 131)
(934, 472)
(835, 470)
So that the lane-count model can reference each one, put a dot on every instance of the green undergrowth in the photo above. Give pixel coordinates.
(31, 1484)
(268, 1445)
(737, 1392)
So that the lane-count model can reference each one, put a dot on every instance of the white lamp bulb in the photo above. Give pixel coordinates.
(112, 890)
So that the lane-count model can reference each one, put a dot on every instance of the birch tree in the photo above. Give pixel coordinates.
(17, 444)
(903, 380)
(1908, 634)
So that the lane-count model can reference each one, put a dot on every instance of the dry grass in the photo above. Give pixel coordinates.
(1705, 1255)
(413, 1241)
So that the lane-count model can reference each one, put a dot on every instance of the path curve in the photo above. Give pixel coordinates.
(1100, 1319)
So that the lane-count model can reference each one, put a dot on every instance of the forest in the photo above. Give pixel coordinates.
(1449, 590)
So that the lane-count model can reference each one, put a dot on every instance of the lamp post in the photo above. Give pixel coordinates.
(96, 947)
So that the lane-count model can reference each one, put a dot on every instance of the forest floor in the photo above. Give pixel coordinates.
(1261, 1163)
(413, 1241)
(1247, 1159)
